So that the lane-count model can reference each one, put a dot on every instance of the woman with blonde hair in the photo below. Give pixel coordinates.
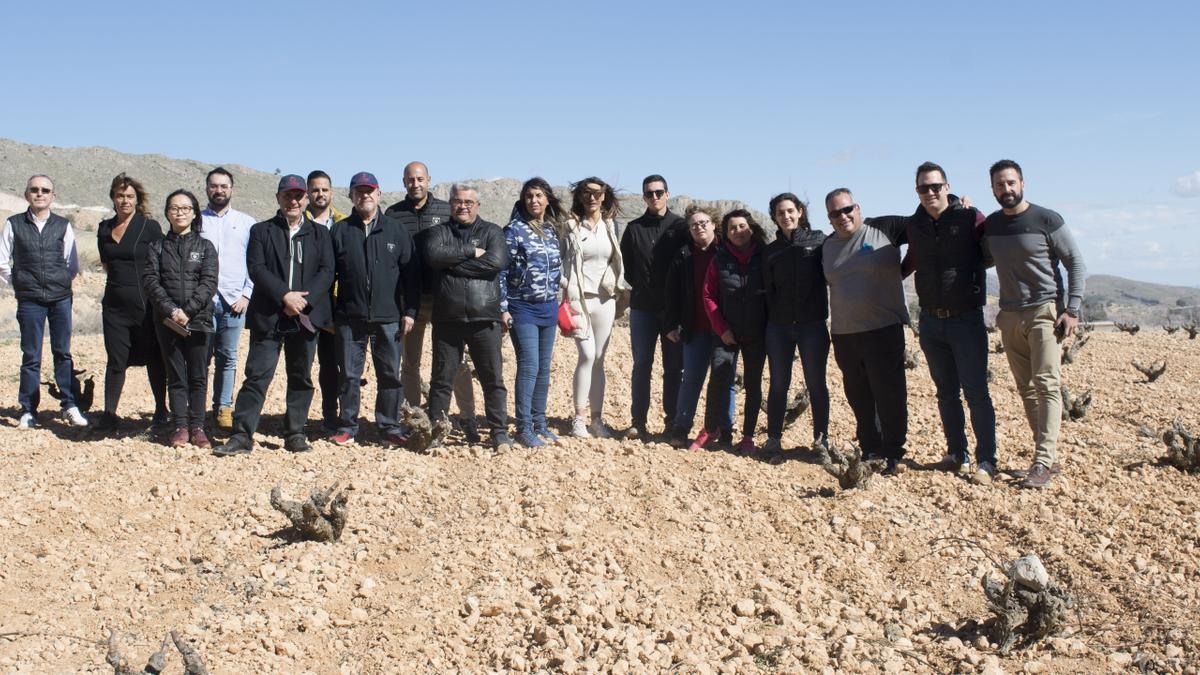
(595, 292)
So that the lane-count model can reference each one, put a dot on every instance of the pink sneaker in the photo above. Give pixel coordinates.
(746, 446)
(702, 439)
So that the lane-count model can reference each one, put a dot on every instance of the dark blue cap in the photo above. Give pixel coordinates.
(363, 178)
(291, 182)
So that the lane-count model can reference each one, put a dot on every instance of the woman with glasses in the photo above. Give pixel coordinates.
(128, 323)
(594, 284)
(687, 323)
(529, 291)
(179, 279)
(735, 300)
(797, 307)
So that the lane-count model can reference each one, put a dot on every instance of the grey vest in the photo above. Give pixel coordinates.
(39, 268)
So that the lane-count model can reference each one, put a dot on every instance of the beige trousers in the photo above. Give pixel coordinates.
(1034, 356)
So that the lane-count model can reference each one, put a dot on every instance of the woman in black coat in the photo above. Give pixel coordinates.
(129, 336)
(179, 279)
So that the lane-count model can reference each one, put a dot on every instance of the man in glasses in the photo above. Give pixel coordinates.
(39, 259)
(466, 256)
(322, 212)
(647, 246)
(378, 293)
(290, 260)
(420, 211)
(1027, 242)
(229, 231)
(867, 319)
(944, 250)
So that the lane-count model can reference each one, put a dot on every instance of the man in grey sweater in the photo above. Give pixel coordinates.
(867, 319)
(1026, 242)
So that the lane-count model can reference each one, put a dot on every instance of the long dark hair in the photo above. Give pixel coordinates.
(197, 219)
(756, 231)
(555, 214)
(609, 207)
(121, 182)
(800, 205)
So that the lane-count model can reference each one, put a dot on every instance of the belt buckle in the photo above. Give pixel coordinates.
(943, 313)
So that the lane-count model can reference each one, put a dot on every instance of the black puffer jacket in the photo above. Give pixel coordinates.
(794, 278)
(735, 282)
(418, 221)
(181, 272)
(681, 292)
(466, 288)
(378, 278)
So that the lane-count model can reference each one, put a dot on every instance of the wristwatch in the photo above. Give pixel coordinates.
(1071, 313)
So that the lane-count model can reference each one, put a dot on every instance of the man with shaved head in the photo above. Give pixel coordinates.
(419, 211)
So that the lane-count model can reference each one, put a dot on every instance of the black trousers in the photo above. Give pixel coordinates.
(872, 365)
(261, 361)
(724, 371)
(186, 362)
(129, 343)
(329, 378)
(482, 340)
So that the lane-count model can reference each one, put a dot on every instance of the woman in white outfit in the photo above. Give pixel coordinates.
(595, 287)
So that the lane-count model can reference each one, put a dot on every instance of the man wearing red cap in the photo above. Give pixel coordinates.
(379, 292)
(290, 260)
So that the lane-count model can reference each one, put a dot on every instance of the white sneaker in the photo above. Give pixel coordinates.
(599, 429)
(27, 421)
(74, 417)
(579, 428)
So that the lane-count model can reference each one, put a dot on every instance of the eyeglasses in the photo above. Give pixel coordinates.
(463, 202)
(844, 211)
(39, 190)
(654, 194)
(927, 188)
(701, 224)
(179, 210)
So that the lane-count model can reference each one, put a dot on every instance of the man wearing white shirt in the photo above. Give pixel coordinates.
(39, 259)
(229, 231)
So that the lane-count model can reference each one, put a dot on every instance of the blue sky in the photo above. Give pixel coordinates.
(1098, 101)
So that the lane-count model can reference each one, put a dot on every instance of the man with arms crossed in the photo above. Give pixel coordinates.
(1026, 242)
(419, 211)
(229, 231)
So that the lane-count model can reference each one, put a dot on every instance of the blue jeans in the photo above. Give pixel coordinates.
(32, 317)
(812, 339)
(223, 346)
(645, 328)
(697, 355)
(352, 339)
(957, 351)
(534, 346)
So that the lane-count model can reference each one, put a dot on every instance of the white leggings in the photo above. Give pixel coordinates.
(589, 372)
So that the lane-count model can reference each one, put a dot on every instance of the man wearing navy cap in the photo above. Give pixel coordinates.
(290, 260)
(379, 292)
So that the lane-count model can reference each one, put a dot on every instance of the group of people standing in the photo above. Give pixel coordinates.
(703, 289)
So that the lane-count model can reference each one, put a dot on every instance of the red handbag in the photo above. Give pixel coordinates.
(566, 318)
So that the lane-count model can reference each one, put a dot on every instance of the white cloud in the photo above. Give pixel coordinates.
(1187, 186)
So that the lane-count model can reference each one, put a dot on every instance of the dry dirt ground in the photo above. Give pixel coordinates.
(602, 555)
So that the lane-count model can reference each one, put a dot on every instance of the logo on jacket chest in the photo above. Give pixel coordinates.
(195, 256)
(436, 220)
(391, 247)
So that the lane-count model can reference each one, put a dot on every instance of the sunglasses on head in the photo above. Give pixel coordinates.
(845, 211)
(927, 188)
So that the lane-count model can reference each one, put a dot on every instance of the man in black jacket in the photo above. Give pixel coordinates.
(378, 293)
(944, 250)
(648, 245)
(419, 211)
(466, 256)
(290, 260)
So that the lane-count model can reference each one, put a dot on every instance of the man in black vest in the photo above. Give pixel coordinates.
(420, 211)
(38, 257)
(944, 251)
(290, 260)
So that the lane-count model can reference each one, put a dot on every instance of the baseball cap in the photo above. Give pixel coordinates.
(363, 178)
(291, 182)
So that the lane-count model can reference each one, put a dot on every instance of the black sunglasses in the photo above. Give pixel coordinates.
(935, 188)
(845, 211)
(654, 194)
(39, 190)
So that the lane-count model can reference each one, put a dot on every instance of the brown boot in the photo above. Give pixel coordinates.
(199, 439)
(225, 418)
(179, 438)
